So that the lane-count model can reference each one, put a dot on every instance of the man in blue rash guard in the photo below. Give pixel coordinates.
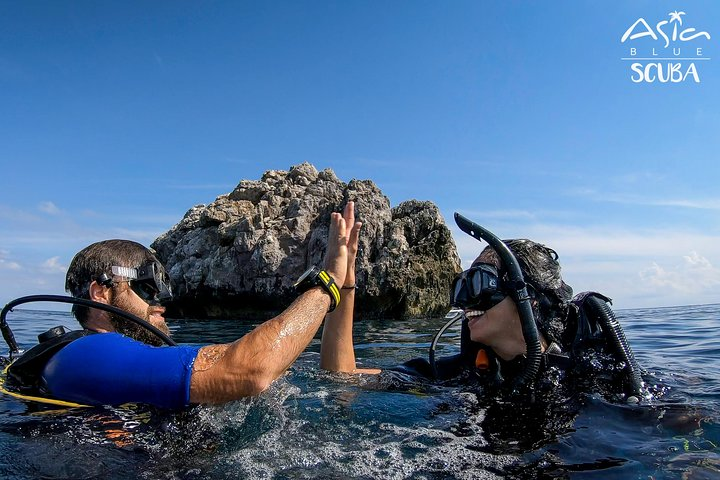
(124, 363)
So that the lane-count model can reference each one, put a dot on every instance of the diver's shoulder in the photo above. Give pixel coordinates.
(104, 342)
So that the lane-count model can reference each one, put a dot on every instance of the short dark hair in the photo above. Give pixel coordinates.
(542, 271)
(94, 260)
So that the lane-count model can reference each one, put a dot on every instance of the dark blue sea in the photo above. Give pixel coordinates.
(311, 424)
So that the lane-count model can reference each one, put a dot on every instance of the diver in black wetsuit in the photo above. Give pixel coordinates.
(527, 346)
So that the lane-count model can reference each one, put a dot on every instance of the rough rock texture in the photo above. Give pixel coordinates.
(242, 253)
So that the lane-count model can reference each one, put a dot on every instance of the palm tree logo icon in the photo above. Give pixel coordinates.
(675, 17)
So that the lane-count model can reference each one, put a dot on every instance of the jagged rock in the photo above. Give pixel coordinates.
(242, 253)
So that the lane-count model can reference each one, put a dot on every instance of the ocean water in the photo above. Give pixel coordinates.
(311, 424)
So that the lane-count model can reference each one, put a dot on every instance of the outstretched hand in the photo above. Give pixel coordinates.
(352, 243)
(337, 251)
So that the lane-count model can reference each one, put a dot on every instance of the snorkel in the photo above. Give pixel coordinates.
(517, 290)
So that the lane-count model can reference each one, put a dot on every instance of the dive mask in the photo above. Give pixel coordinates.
(150, 282)
(478, 287)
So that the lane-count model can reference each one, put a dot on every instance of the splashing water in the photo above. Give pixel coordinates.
(311, 424)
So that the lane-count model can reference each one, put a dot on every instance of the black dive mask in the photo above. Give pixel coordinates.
(150, 282)
(478, 287)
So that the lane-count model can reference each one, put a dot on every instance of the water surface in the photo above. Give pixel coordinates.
(311, 424)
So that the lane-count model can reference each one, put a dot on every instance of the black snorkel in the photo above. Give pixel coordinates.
(10, 338)
(517, 289)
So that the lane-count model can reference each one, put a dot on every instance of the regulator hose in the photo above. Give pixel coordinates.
(599, 308)
(518, 292)
(452, 316)
(10, 338)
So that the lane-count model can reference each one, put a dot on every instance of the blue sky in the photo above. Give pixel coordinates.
(117, 117)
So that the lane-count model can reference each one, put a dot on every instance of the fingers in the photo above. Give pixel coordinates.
(343, 241)
(337, 229)
(354, 238)
(352, 249)
(336, 253)
(352, 225)
(349, 213)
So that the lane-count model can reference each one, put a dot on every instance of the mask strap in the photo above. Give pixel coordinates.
(105, 280)
(126, 272)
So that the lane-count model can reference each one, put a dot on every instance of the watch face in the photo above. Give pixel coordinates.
(308, 274)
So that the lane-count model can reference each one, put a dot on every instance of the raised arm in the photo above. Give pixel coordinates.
(250, 364)
(337, 353)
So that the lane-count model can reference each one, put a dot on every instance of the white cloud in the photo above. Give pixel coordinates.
(53, 265)
(710, 203)
(141, 236)
(701, 204)
(636, 268)
(694, 275)
(640, 177)
(6, 264)
(620, 242)
(16, 216)
(502, 214)
(515, 215)
(49, 207)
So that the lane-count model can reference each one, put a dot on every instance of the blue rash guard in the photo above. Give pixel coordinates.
(111, 369)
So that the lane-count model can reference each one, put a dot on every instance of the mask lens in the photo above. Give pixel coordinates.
(477, 287)
(145, 290)
(156, 278)
(475, 281)
(164, 290)
(457, 288)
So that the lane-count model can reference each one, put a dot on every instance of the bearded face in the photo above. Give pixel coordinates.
(124, 298)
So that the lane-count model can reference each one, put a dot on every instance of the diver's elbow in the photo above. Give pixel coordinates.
(259, 384)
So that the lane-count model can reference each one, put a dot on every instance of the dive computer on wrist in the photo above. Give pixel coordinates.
(315, 277)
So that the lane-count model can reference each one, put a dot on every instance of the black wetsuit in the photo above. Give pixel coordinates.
(526, 417)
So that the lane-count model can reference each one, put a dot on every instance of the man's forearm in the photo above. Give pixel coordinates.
(248, 365)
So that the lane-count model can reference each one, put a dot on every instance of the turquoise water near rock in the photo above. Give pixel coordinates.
(311, 424)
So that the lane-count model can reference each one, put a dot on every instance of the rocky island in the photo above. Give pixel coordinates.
(240, 255)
